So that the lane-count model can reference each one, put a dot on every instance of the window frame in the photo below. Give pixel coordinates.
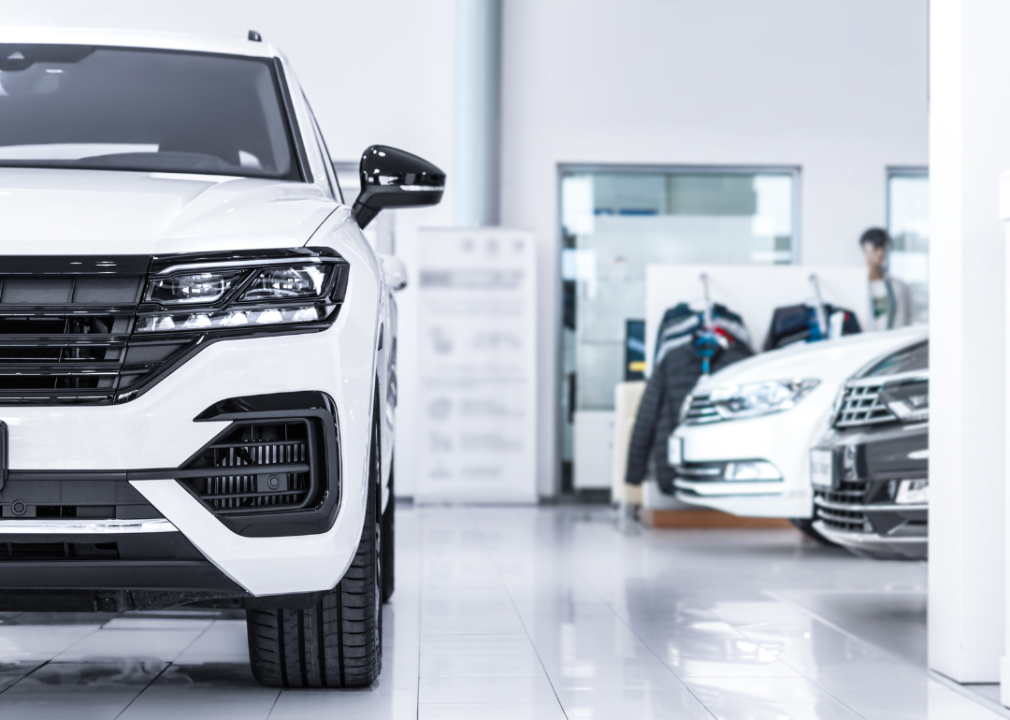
(794, 171)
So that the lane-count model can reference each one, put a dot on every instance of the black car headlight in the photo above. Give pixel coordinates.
(230, 292)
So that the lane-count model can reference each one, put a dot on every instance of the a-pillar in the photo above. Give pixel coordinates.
(969, 148)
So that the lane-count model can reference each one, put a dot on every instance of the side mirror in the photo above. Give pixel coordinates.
(394, 272)
(395, 178)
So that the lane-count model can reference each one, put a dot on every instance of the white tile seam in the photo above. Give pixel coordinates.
(143, 689)
(163, 670)
(925, 672)
(593, 590)
(522, 622)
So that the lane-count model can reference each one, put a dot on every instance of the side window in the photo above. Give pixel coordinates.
(327, 161)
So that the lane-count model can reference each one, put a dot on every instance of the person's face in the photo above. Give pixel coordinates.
(874, 254)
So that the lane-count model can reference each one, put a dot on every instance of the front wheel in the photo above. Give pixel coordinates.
(388, 531)
(337, 643)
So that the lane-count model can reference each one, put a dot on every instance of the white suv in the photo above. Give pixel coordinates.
(197, 346)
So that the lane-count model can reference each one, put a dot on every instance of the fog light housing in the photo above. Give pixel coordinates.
(912, 492)
(751, 471)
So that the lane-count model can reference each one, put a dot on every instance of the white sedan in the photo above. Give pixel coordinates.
(745, 432)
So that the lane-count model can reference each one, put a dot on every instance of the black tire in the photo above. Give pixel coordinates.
(806, 526)
(388, 533)
(337, 643)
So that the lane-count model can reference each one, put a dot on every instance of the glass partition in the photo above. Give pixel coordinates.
(908, 225)
(616, 221)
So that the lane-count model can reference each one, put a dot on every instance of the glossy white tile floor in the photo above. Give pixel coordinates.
(539, 613)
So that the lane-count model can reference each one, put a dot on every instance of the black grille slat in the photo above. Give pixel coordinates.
(258, 450)
(849, 492)
(63, 335)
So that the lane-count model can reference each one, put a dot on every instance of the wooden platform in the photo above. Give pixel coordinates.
(707, 519)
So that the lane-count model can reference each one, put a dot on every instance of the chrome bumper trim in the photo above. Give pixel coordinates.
(821, 502)
(862, 538)
(84, 527)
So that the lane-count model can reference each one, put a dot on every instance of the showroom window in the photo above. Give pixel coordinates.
(617, 221)
(908, 225)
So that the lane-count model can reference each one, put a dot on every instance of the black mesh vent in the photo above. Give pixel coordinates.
(847, 493)
(270, 466)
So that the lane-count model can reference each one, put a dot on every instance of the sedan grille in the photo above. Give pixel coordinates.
(861, 405)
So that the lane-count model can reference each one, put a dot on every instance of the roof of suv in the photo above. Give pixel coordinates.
(139, 39)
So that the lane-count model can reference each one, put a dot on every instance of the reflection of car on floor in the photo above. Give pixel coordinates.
(871, 472)
(197, 346)
(743, 443)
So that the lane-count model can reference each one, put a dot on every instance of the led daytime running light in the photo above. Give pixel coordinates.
(234, 318)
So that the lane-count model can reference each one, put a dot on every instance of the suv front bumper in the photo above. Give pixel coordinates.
(157, 430)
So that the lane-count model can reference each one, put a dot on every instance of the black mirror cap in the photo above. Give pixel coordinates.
(395, 178)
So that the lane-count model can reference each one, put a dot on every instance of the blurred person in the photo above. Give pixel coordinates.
(890, 299)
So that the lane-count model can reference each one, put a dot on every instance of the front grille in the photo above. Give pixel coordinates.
(847, 493)
(701, 409)
(861, 405)
(65, 337)
(256, 467)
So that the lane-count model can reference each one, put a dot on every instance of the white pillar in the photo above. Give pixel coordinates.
(474, 179)
(969, 148)
(1004, 671)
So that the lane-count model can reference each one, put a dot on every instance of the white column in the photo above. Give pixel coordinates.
(477, 109)
(969, 147)
(1004, 671)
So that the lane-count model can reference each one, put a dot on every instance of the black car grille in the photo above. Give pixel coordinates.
(64, 337)
(862, 405)
(65, 330)
(847, 493)
(256, 467)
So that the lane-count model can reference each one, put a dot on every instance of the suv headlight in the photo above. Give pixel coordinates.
(733, 402)
(267, 291)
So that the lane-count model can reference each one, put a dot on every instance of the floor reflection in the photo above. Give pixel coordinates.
(537, 613)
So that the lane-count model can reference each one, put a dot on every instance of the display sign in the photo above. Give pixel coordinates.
(477, 337)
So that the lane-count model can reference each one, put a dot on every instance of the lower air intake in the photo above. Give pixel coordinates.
(257, 467)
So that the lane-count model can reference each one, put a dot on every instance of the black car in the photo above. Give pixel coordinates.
(871, 471)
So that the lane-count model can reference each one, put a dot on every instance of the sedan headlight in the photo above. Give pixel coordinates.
(276, 292)
(732, 402)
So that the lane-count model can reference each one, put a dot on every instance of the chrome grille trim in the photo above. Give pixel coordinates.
(860, 404)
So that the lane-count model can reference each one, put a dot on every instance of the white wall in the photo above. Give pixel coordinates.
(375, 72)
(836, 88)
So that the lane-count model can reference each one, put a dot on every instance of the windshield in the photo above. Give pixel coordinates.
(104, 108)
(908, 360)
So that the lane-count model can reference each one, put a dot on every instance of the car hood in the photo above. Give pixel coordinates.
(101, 212)
(831, 361)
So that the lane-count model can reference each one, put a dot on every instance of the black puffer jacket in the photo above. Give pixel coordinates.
(658, 415)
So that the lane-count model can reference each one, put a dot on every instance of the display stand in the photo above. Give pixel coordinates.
(477, 358)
